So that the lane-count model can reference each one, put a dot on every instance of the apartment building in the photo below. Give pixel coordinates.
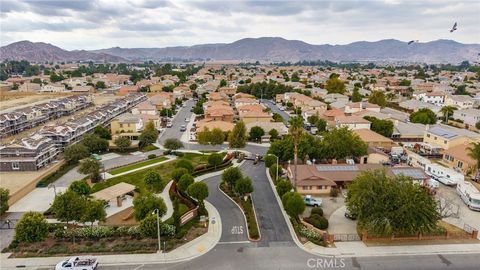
(27, 154)
(21, 119)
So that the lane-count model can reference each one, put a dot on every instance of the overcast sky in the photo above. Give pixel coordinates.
(96, 24)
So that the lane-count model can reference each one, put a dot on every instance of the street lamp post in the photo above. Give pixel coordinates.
(276, 178)
(157, 212)
(54, 189)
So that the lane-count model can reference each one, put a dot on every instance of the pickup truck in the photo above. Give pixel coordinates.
(77, 263)
(308, 200)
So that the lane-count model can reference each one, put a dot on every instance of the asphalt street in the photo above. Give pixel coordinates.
(233, 221)
(275, 109)
(272, 224)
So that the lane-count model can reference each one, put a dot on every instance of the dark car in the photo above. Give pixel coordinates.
(350, 215)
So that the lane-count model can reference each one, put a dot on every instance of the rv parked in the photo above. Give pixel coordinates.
(469, 194)
(443, 175)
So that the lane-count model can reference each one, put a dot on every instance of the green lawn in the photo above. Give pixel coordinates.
(136, 178)
(136, 165)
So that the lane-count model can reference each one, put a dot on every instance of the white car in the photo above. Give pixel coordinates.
(187, 120)
(308, 200)
(77, 263)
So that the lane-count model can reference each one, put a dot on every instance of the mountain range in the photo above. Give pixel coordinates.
(265, 49)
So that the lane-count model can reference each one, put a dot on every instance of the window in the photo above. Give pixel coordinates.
(460, 164)
(15, 166)
(428, 135)
(445, 141)
(121, 125)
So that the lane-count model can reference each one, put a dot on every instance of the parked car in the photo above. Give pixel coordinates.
(77, 263)
(447, 181)
(169, 124)
(350, 215)
(312, 201)
(187, 120)
(183, 128)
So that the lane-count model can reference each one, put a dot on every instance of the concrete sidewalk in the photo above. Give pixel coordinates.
(166, 198)
(359, 249)
(169, 158)
(188, 251)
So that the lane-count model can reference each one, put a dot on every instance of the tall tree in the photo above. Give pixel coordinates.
(335, 85)
(424, 116)
(91, 167)
(148, 136)
(217, 136)
(69, 206)
(238, 137)
(399, 214)
(198, 191)
(356, 97)
(123, 143)
(244, 186)
(173, 144)
(144, 205)
(378, 97)
(102, 132)
(342, 143)
(153, 180)
(296, 131)
(4, 196)
(474, 152)
(447, 111)
(204, 136)
(256, 133)
(94, 211)
(231, 176)
(75, 152)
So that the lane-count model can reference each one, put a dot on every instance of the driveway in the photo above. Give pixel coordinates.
(466, 216)
(339, 224)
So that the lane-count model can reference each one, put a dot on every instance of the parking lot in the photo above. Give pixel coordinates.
(464, 215)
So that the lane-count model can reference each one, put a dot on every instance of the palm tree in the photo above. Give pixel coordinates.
(447, 111)
(296, 130)
(474, 152)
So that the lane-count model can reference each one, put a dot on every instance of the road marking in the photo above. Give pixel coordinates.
(138, 267)
(234, 242)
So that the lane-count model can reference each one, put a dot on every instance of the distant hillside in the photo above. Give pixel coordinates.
(43, 52)
(266, 49)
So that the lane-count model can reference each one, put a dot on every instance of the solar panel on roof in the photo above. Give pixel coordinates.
(350, 168)
(413, 173)
(442, 132)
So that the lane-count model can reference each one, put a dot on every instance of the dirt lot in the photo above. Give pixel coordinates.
(18, 100)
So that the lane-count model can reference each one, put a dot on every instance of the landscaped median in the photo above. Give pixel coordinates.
(137, 165)
(239, 188)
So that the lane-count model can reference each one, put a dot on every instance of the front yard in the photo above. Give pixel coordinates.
(137, 165)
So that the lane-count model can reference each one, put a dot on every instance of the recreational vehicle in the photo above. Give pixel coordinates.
(469, 194)
(443, 175)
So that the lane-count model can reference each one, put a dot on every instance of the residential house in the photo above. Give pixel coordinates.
(267, 126)
(147, 112)
(460, 101)
(255, 116)
(374, 139)
(219, 113)
(245, 101)
(127, 89)
(351, 122)
(445, 137)
(28, 154)
(162, 100)
(29, 87)
(356, 107)
(458, 158)
(374, 156)
(467, 116)
(83, 89)
(127, 125)
(334, 97)
(435, 98)
(53, 87)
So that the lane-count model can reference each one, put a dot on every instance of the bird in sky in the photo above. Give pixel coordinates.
(453, 28)
(412, 41)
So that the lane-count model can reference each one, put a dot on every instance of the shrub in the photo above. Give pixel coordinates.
(270, 160)
(144, 205)
(185, 181)
(317, 211)
(231, 176)
(318, 222)
(148, 227)
(294, 205)
(32, 227)
(333, 192)
(153, 181)
(273, 171)
(4, 195)
(152, 156)
(183, 163)
(283, 186)
(178, 173)
(80, 187)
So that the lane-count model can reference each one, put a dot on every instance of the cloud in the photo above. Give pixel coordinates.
(85, 24)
